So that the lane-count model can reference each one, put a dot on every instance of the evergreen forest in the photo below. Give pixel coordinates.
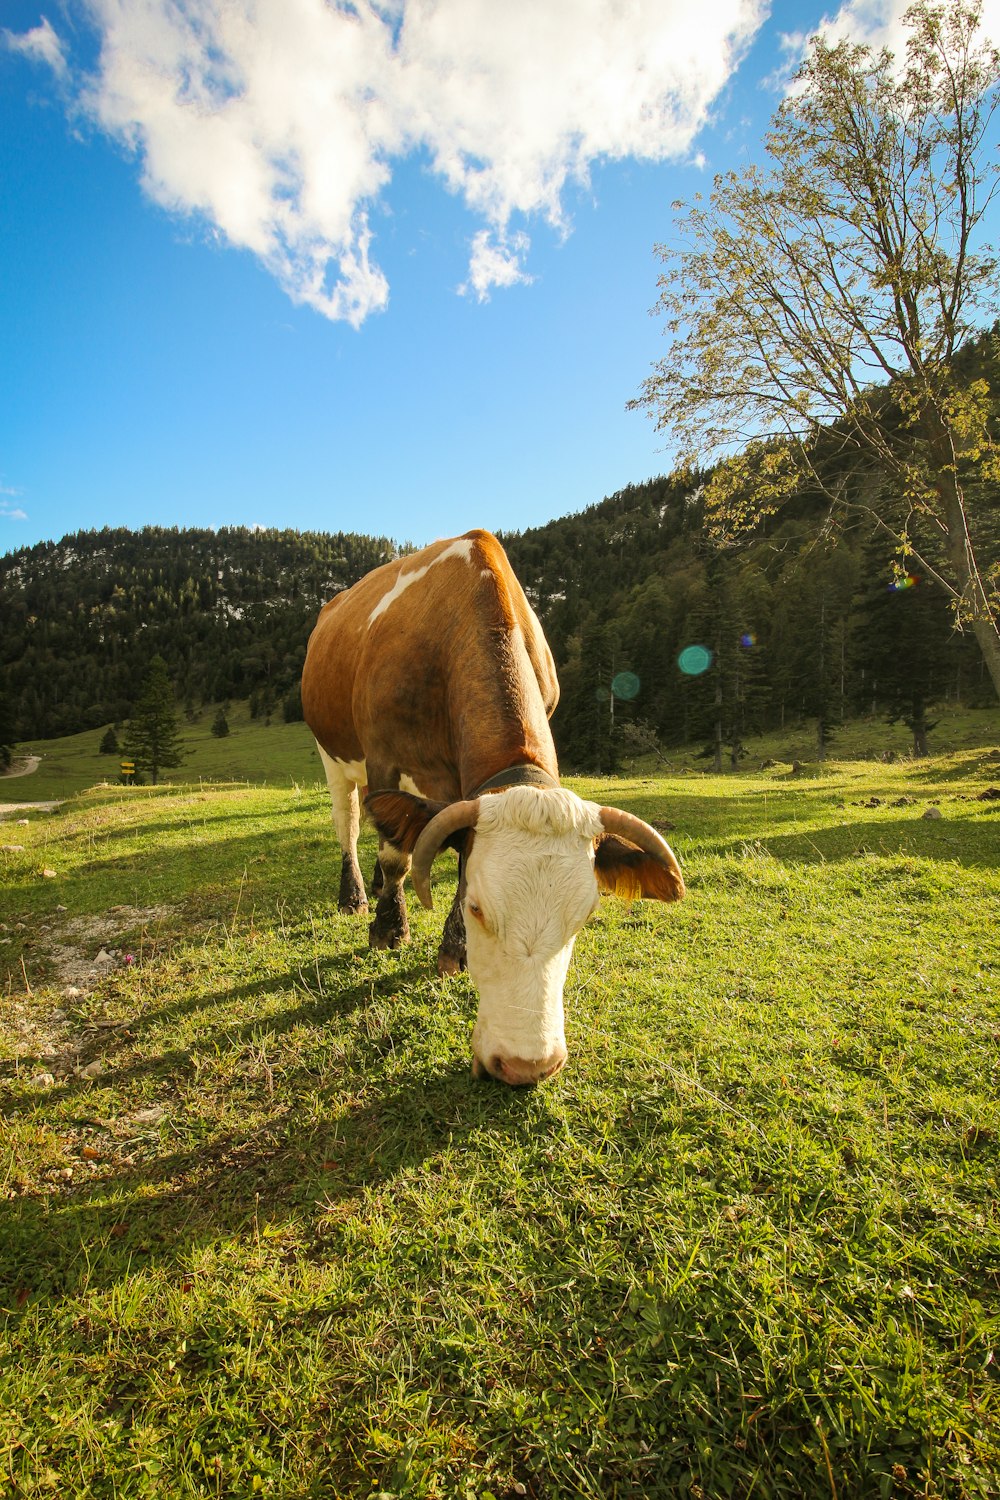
(663, 632)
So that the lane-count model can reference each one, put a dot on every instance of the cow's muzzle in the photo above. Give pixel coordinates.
(518, 1071)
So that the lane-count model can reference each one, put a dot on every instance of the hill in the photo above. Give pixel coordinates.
(228, 610)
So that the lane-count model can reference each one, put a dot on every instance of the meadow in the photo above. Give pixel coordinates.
(261, 1232)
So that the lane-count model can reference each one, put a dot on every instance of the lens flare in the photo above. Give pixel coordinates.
(625, 685)
(694, 660)
(904, 581)
(748, 639)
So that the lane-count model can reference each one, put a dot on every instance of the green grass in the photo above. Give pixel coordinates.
(278, 754)
(279, 1242)
(282, 754)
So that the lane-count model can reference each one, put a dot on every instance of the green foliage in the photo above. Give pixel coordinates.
(7, 731)
(220, 725)
(230, 611)
(262, 1234)
(817, 305)
(109, 742)
(152, 738)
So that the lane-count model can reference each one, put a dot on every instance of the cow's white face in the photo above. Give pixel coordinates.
(530, 886)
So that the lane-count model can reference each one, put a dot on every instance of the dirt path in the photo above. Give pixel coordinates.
(22, 767)
(7, 808)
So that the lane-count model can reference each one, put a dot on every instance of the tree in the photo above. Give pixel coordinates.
(7, 734)
(816, 305)
(109, 742)
(902, 639)
(151, 736)
(220, 724)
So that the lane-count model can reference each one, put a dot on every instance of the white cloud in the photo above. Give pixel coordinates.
(41, 44)
(495, 261)
(12, 513)
(279, 121)
(880, 23)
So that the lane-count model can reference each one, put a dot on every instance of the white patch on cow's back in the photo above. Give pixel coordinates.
(460, 548)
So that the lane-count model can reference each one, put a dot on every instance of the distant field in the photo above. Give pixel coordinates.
(282, 754)
(261, 1233)
(278, 754)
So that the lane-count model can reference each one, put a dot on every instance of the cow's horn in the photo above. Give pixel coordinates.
(642, 836)
(456, 815)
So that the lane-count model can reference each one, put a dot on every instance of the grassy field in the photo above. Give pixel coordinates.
(279, 755)
(284, 755)
(260, 1232)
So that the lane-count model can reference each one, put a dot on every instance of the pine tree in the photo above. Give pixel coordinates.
(220, 725)
(151, 738)
(7, 735)
(902, 643)
(109, 742)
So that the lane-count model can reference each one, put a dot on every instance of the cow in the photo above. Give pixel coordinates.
(428, 687)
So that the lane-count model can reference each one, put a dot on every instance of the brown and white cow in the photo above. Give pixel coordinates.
(431, 683)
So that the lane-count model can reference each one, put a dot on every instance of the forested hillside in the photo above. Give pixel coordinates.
(662, 632)
(228, 610)
(813, 614)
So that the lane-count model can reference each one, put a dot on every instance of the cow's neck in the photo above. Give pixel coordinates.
(499, 719)
(523, 775)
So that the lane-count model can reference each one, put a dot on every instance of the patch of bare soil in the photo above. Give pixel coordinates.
(76, 954)
(8, 809)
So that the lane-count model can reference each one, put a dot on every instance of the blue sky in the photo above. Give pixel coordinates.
(386, 272)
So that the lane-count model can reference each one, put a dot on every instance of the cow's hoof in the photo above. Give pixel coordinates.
(450, 964)
(377, 939)
(353, 908)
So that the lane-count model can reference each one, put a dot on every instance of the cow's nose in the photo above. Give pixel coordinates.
(519, 1071)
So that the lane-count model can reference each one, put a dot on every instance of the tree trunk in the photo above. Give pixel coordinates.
(972, 604)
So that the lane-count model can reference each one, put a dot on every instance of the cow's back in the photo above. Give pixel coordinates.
(397, 664)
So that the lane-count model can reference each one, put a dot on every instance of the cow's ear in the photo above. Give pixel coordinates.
(401, 818)
(623, 870)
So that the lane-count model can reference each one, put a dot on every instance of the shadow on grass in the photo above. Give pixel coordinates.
(963, 841)
(162, 1212)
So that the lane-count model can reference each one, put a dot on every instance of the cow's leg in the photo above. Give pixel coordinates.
(347, 823)
(390, 928)
(451, 953)
(378, 880)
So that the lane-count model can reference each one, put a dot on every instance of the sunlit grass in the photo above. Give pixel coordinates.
(280, 1243)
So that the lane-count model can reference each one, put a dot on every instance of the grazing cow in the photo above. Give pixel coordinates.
(431, 682)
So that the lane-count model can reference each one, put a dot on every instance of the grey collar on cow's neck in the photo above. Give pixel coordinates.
(516, 776)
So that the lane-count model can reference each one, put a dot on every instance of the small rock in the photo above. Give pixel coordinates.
(71, 992)
(42, 1081)
(49, 874)
(22, 822)
(92, 1070)
(933, 812)
(104, 957)
(60, 908)
(151, 1116)
(11, 848)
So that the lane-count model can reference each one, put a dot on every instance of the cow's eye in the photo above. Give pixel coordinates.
(475, 910)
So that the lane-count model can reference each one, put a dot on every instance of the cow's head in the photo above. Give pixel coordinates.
(534, 865)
